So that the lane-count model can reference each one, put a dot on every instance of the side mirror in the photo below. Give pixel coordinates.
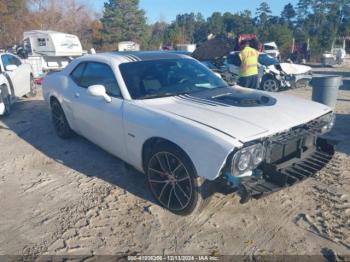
(11, 67)
(99, 91)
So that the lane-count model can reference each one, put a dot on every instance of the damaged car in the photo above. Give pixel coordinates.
(274, 76)
(181, 125)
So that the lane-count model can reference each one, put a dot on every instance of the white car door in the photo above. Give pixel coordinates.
(19, 79)
(97, 120)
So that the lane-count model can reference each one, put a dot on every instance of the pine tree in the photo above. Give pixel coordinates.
(288, 14)
(303, 10)
(216, 23)
(123, 21)
(263, 13)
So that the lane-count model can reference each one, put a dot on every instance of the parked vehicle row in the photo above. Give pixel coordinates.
(173, 119)
(25, 65)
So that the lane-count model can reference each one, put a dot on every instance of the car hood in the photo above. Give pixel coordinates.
(241, 113)
(295, 69)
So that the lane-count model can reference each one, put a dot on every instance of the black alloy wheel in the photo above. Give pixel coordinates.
(172, 180)
(59, 120)
(7, 103)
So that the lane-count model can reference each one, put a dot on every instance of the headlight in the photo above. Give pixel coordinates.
(247, 159)
(243, 161)
(258, 154)
(329, 121)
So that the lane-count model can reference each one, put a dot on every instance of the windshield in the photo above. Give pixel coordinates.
(168, 77)
(267, 60)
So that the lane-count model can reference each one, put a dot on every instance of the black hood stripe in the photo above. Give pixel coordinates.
(202, 101)
(187, 99)
(130, 58)
(135, 57)
(227, 97)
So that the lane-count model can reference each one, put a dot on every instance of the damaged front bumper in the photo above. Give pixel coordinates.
(274, 175)
(299, 81)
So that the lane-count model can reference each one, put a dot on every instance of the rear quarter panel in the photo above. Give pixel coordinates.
(57, 85)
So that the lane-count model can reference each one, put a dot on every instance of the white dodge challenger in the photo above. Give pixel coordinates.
(171, 118)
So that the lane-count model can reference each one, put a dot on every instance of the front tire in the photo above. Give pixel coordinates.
(59, 120)
(270, 84)
(173, 181)
(7, 104)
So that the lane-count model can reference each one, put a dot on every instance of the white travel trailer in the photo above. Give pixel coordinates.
(56, 49)
(128, 46)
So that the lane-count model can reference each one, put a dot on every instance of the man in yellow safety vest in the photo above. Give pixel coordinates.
(248, 75)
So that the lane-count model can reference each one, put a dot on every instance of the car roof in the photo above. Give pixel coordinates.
(137, 56)
(7, 53)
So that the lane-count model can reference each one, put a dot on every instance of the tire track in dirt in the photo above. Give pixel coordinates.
(99, 221)
(331, 217)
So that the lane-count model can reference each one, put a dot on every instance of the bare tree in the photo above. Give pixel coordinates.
(17, 16)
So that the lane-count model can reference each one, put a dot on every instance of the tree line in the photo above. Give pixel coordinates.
(320, 22)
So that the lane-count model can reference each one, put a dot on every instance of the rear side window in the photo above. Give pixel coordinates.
(78, 73)
(100, 74)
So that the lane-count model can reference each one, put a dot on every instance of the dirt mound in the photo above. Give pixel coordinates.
(214, 48)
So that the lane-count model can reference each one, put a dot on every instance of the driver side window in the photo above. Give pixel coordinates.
(10, 60)
(100, 74)
(93, 73)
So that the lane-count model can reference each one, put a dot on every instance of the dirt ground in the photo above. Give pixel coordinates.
(70, 197)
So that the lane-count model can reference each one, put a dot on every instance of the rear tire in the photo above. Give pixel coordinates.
(59, 120)
(173, 181)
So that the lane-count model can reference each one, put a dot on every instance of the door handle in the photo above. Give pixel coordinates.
(77, 95)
